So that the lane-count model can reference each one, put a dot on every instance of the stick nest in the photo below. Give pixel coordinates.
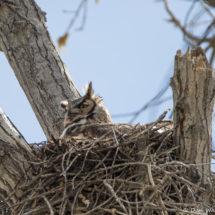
(134, 173)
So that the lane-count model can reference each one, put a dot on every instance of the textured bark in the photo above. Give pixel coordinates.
(193, 87)
(13, 150)
(35, 61)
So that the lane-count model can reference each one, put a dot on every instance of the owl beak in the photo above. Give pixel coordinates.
(73, 115)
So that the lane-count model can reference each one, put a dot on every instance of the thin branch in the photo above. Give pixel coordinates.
(190, 38)
(83, 2)
(177, 23)
(153, 102)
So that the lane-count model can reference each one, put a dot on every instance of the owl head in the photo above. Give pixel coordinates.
(85, 110)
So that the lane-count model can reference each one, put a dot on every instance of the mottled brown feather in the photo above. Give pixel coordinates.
(86, 110)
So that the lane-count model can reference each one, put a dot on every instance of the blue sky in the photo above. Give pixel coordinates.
(126, 49)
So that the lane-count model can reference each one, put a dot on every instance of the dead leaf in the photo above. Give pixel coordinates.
(62, 41)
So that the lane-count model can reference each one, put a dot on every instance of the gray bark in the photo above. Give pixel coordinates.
(14, 151)
(193, 87)
(36, 62)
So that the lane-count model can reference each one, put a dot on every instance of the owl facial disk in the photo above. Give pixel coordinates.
(77, 110)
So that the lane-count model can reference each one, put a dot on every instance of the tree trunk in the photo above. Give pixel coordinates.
(193, 87)
(35, 61)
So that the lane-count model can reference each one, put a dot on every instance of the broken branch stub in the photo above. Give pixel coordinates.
(193, 86)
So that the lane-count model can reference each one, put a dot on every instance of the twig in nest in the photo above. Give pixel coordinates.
(50, 207)
(74, 201)
(160, 118)
(162, 143)
(117, 149)
(160, 202)
(115, 196)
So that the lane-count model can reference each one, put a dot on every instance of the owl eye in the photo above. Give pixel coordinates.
(83, 106)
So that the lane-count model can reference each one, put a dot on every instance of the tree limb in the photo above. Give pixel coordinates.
(14, 156)
(36, 62)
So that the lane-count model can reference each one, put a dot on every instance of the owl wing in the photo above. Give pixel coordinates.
(98, 130)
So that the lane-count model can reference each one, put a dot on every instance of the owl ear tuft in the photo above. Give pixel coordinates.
(89, 94)
(63, 104)
(89, 91)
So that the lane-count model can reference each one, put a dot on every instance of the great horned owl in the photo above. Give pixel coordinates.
(82, 112)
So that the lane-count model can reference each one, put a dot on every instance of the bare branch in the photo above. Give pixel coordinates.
(183, 28)
(191, 38)
(82, 4)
